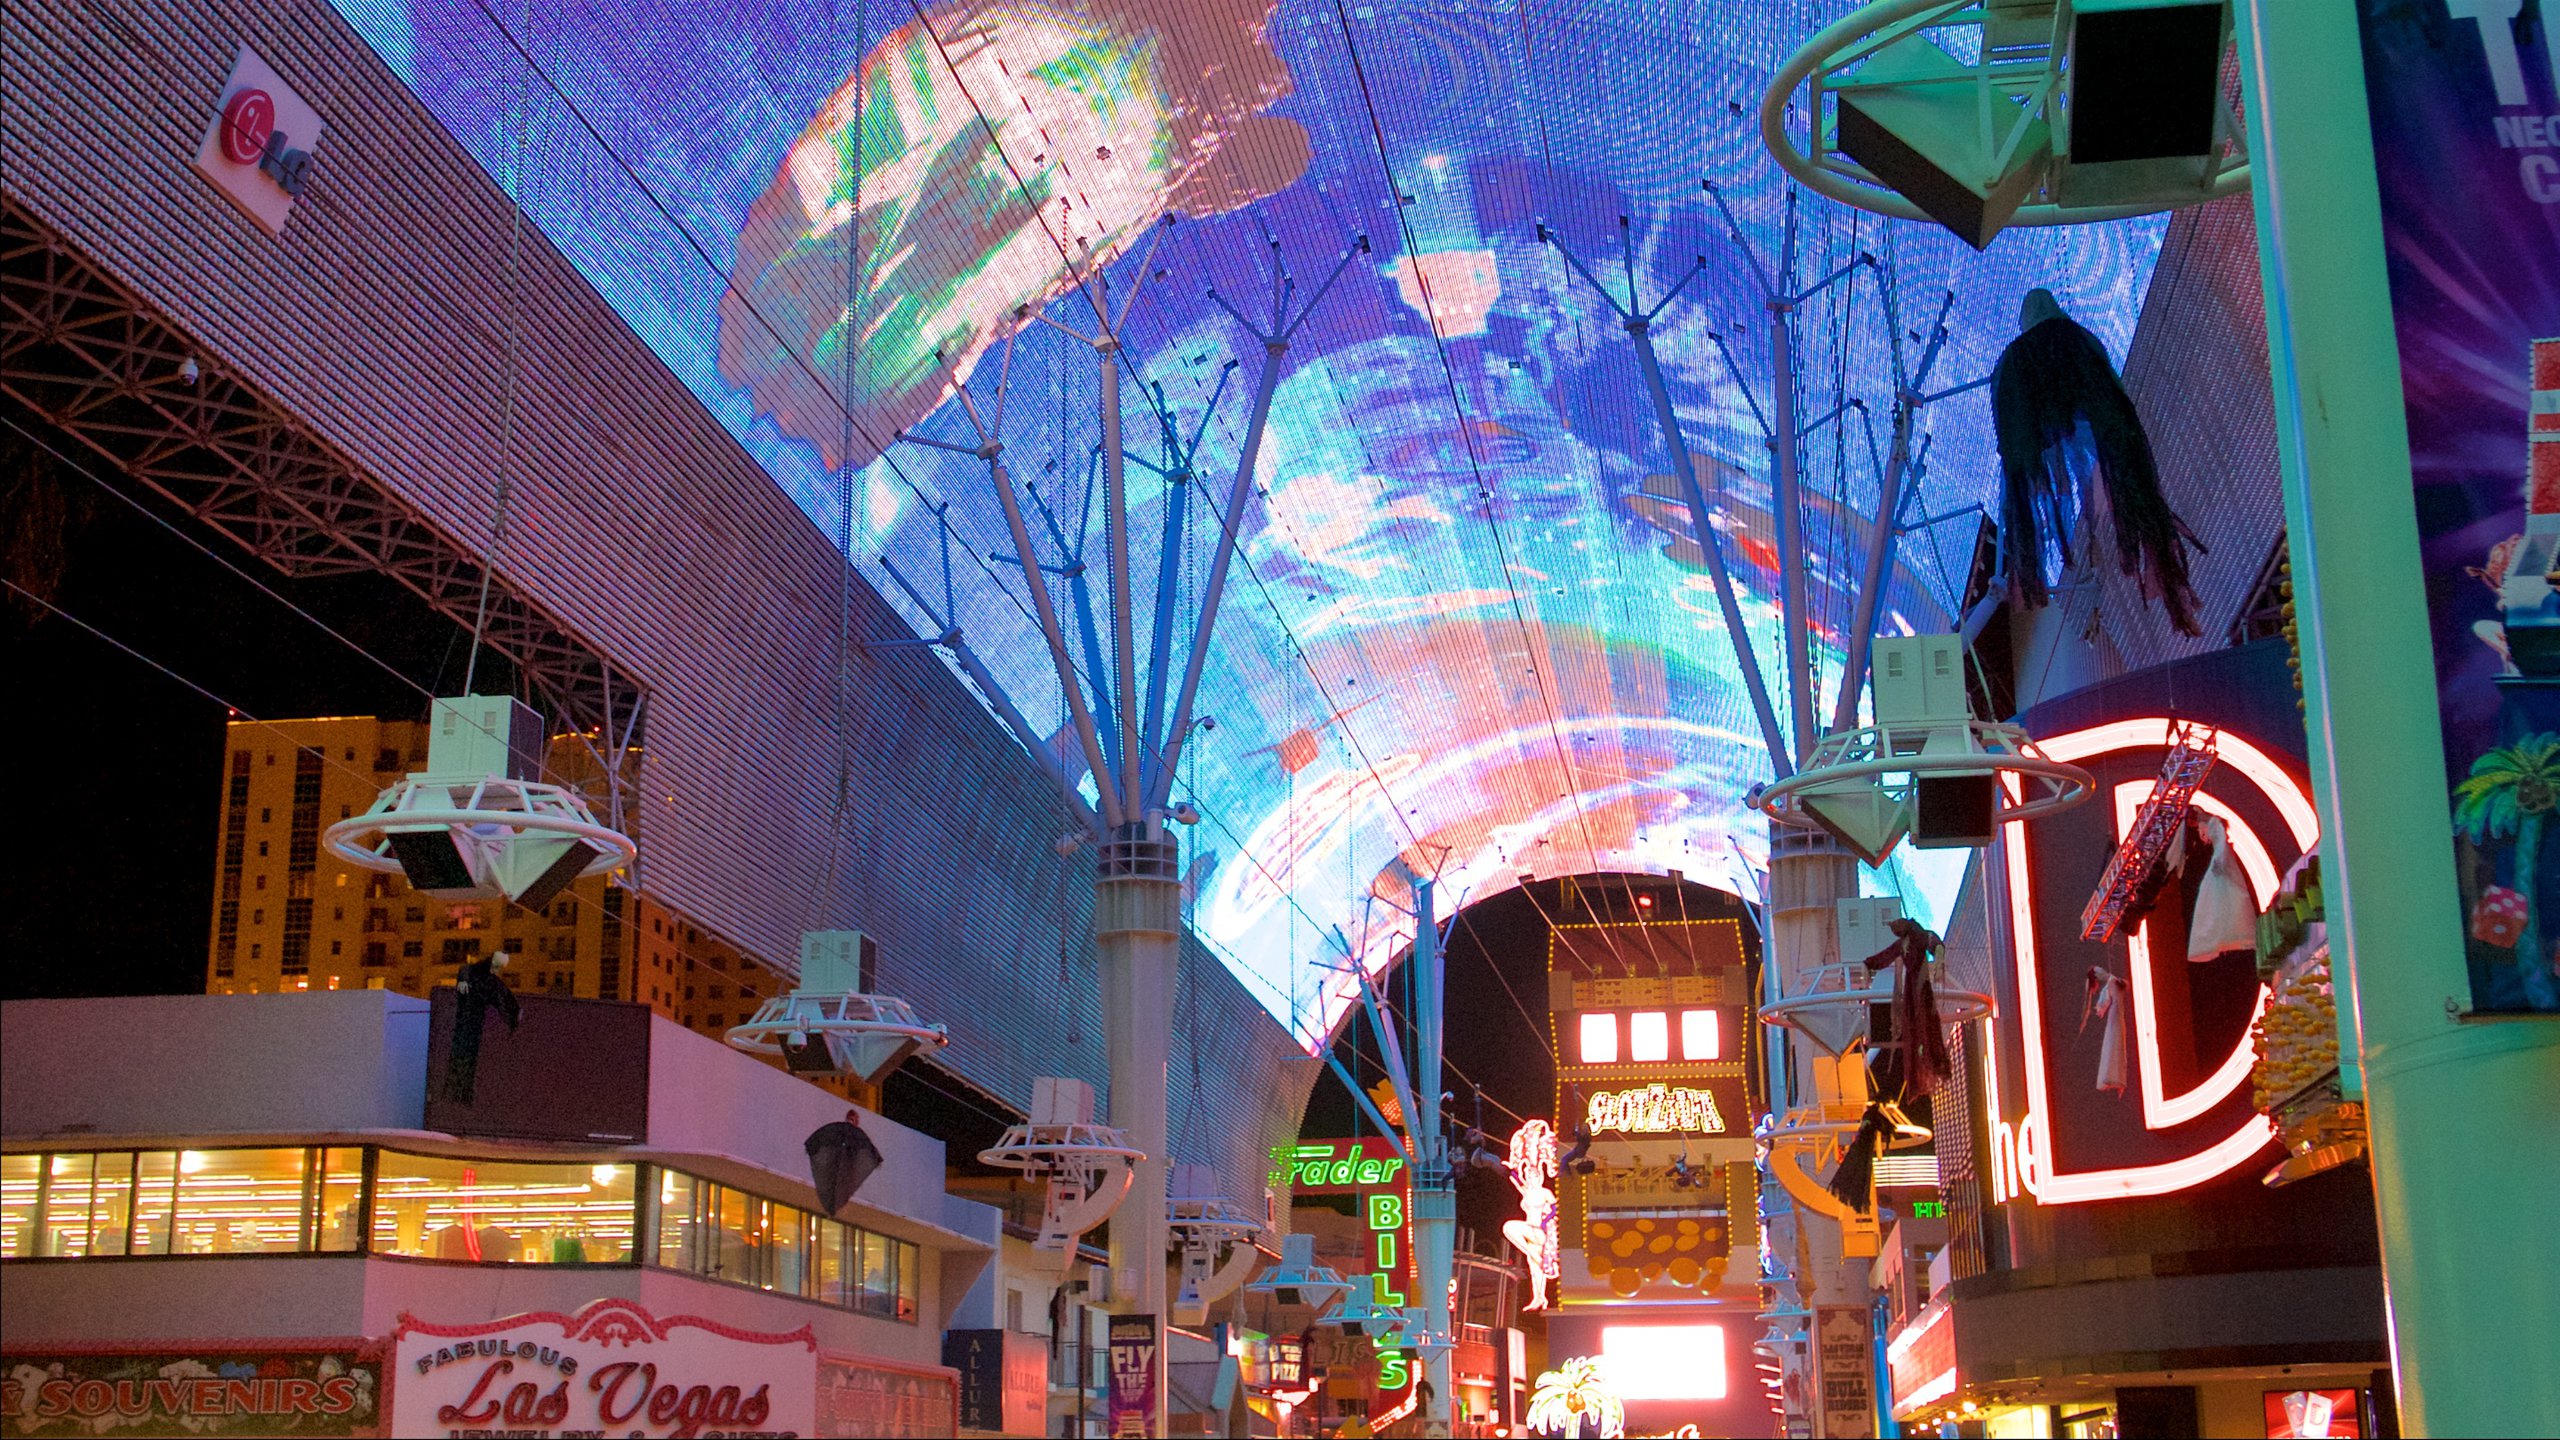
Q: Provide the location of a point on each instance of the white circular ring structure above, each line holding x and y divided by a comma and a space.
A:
1850, 40
1081, 1147
495, 808
813, 1016
1955, 1007
1869, 753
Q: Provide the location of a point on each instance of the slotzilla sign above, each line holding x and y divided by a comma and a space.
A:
612, 1368
1655, 1110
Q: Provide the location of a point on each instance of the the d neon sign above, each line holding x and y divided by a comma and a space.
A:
2023, 1159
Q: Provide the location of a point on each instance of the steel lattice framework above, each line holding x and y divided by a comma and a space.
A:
94, 360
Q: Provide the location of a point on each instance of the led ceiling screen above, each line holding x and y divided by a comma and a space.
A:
1469, 623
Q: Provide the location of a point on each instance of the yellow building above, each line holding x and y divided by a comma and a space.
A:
289, 915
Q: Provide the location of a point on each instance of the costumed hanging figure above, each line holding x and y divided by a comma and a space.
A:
2059, 410
2226, 917
477, 993
1904, 1071
2104, 1003
841, 1157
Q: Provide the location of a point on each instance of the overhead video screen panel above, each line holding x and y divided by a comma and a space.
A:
1469, 613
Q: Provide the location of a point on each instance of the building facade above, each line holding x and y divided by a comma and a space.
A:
291, 1193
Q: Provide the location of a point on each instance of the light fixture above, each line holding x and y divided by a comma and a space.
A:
475, 825
1213, 1238
1983, 114
1086, 1169
828, 1024
1926, 769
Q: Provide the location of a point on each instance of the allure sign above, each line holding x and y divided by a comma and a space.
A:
258, 142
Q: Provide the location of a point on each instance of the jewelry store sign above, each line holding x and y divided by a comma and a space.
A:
611, 1369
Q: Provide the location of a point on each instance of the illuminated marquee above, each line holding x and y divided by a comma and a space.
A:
2023, 1159
1655, 1110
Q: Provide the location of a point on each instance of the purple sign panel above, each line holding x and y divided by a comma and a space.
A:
2465, 101
1133, 1377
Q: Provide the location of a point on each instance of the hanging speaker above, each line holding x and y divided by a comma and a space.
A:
2143, 90
1918, 130
2146, 79
1861, 815
1954, 811
432, 859
566, 867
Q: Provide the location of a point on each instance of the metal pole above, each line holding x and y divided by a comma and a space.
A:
1231, 516
2459, 1115
1048, 616
1138, 936
1781, 759
1790, 536
1879, 564
1124, 644
1435, 1195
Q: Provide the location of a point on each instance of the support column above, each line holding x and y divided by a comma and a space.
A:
2464, 1161
1137, 921
1809, 873
1435, 1191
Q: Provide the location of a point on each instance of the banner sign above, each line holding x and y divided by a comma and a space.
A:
1845, 1360
611, 1368
1004, 1379
893, 1402
2461, 98
286, 1389
1133, 1377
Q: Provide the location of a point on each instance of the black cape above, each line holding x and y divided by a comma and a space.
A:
2051, 380
841, 1157
477, 993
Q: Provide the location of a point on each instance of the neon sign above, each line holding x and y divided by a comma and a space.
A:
1655, 1110
2023, 1161
1373, 1169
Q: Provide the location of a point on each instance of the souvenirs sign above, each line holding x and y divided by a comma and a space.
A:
287, 1388
612, 1368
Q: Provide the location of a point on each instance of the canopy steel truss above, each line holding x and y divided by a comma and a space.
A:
100, 364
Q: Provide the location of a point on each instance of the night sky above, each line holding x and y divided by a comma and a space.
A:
109, 885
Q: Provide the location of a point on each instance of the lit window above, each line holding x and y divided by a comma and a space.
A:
1698, 1037
495, 1212
1648, 1036
1599, 1039
1664, 1362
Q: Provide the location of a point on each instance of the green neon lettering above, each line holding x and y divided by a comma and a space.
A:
1386, 1212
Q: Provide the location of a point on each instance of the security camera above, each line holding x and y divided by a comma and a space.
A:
1208, 722
1185, 813
189, 371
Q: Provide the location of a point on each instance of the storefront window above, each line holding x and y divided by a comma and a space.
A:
833, 1237
879, 1291
501, 1213
244, 1202
155, 1202
20, 1177
727, 1234
788, 1251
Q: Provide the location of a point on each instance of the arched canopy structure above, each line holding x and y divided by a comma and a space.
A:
1469, 617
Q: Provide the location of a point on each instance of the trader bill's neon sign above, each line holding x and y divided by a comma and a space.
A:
1655, 1110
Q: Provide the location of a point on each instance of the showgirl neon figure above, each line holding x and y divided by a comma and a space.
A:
1532, 1166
